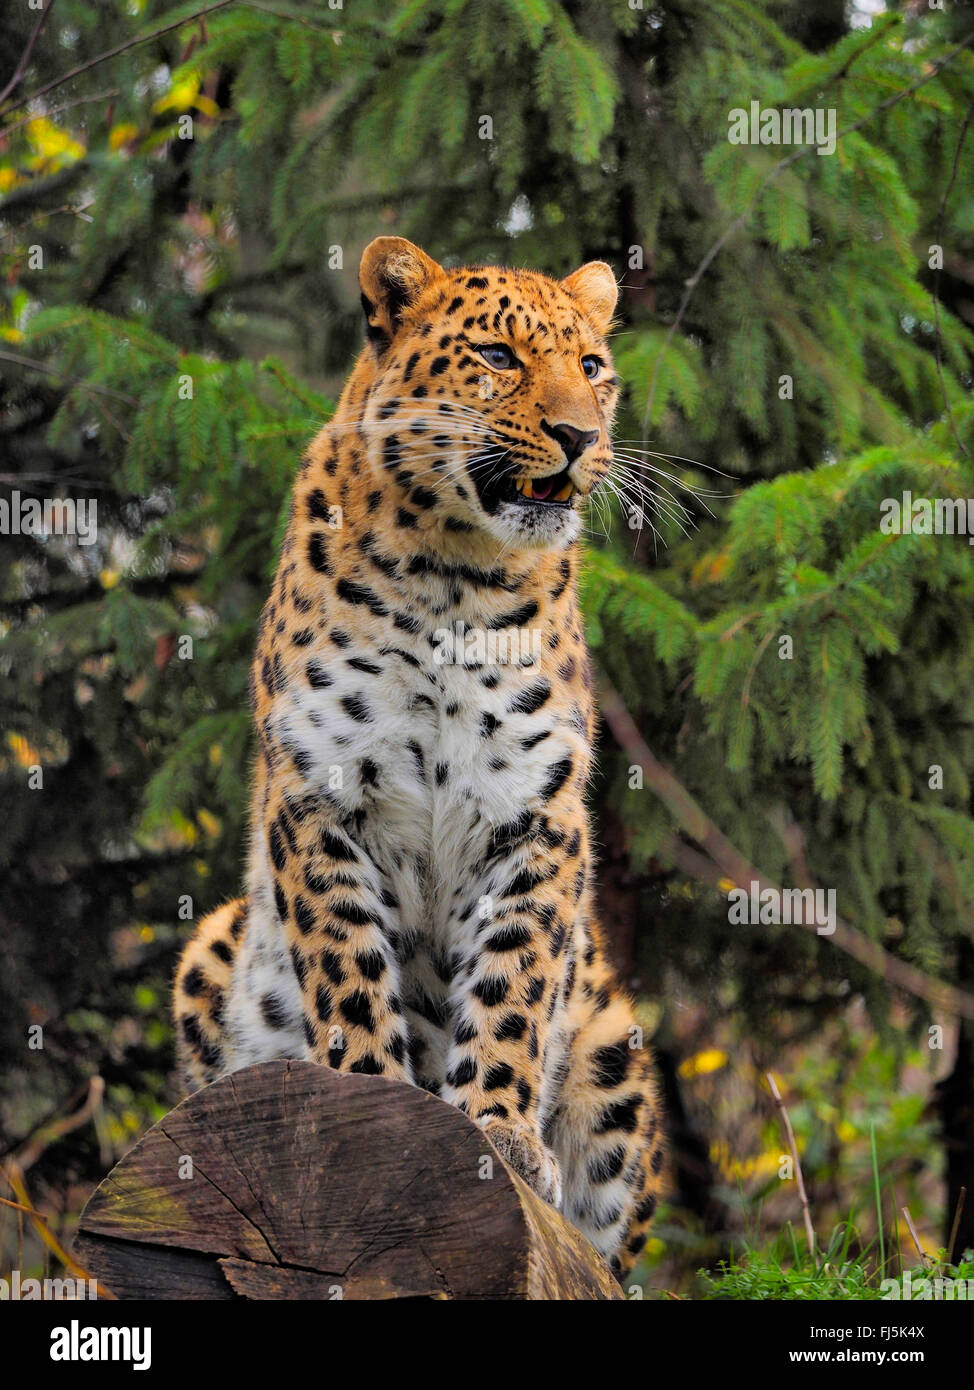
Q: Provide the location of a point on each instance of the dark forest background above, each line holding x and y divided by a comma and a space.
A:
184, 195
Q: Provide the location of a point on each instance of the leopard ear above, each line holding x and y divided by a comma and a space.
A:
594, 287
392, 274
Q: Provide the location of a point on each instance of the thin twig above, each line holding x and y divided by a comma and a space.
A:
962, 1194
8, 130
43, 1229
114, 53
21, 67
33, 365
28, 1154
913, 1235
721, 860
803, 1195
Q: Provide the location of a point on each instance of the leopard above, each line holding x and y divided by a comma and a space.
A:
420, 894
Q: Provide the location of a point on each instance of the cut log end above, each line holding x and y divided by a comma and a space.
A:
287, 1181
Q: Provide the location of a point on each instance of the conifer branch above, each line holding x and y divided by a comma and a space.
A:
114, 53
772, 175
722, 860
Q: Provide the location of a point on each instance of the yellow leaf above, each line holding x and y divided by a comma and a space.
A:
180, 96
712, 1059
49, 141
109, 578
120, 135
25, 754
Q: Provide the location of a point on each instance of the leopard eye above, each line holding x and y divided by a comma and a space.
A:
499, 356
592, 367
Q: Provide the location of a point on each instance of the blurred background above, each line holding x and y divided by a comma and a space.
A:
184, 195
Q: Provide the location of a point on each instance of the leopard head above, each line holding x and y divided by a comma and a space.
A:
491, 393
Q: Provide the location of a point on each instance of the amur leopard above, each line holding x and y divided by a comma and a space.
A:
420, 888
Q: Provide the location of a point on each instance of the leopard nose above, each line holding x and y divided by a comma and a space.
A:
573, 442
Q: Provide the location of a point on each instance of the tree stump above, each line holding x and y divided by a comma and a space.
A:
289, 1181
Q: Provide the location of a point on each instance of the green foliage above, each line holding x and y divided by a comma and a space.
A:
819, 366
776, 1275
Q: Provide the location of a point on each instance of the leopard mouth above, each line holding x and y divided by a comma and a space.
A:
552, 490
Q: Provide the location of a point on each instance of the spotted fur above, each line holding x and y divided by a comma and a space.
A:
420, 889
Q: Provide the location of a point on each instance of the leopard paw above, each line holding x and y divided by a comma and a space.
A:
521, 1148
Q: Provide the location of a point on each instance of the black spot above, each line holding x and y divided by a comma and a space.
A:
371, 964
209, 1053
318, 553
463, 1073
273, 1011
332, 966
300, 965
491, 991
508, 939
360, 594
501, 1074
276, 845
318, 677
610, 1065
356, 708
368, 1066
304, 915
510, 1028
516, 618
647, 1208
556, 779
318, 506
531, 699
607, 1166
358, 1011
194, 982
347, 911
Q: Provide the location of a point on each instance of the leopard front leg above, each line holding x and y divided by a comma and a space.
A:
328, 898
510, 986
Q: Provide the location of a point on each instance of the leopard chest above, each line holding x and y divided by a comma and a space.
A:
423, 752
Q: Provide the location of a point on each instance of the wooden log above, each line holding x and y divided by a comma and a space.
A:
287, 1180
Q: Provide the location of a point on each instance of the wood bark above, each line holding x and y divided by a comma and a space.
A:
290, 1181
